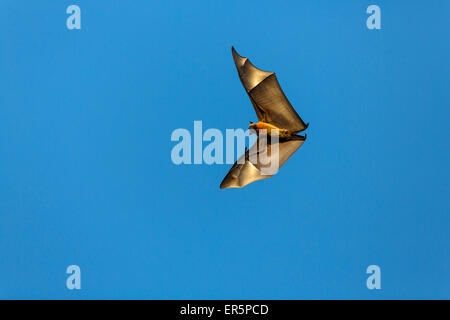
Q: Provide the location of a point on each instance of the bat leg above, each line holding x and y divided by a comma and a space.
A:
298, 137
300, 130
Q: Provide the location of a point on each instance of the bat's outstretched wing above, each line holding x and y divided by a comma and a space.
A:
269, 101
250, 166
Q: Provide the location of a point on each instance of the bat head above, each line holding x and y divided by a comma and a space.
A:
252, 126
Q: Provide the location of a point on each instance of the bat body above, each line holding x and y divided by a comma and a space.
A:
273, 130
277, 129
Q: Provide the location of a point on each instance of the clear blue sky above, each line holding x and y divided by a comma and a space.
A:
87, 179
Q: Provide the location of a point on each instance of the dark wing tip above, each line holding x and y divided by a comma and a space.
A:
225, 183
236, 54
238, 60
229, 182
228, 185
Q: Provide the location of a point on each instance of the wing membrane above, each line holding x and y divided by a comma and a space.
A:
266, 95
250, 166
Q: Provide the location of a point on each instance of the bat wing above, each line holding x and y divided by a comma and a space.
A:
250, 166
268, 99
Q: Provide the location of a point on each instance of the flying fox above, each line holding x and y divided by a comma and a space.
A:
276, 117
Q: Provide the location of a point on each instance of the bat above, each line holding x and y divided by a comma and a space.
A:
277, 129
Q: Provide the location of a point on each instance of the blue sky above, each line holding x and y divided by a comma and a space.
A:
87, 179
